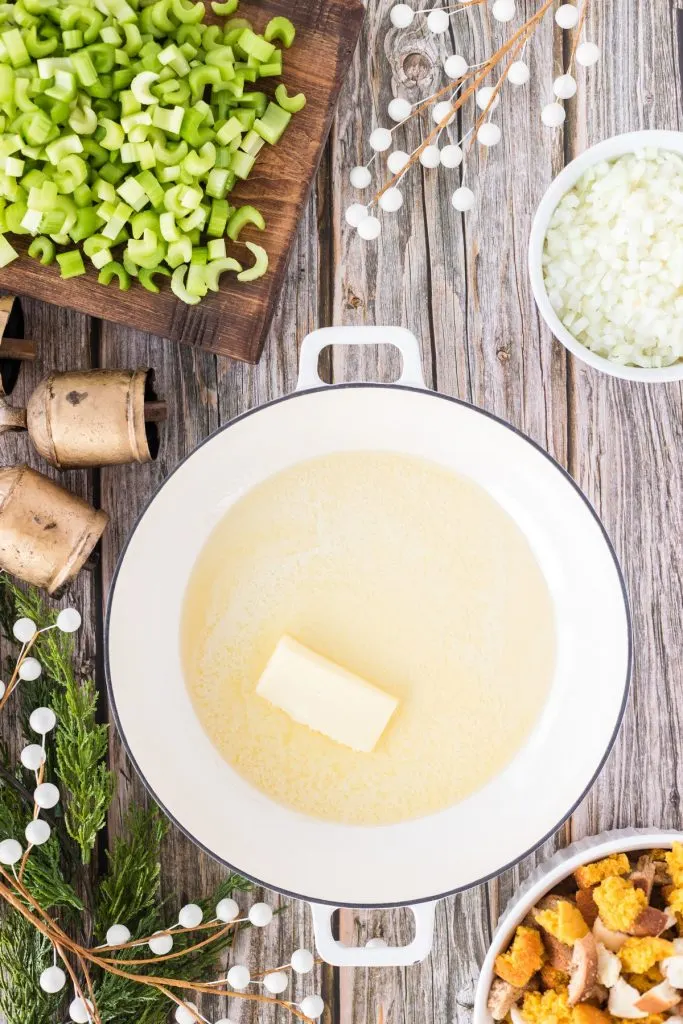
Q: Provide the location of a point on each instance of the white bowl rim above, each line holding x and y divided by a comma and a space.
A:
549, 874
617, 725
608, 149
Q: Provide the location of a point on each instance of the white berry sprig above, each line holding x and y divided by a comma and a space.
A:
465, 80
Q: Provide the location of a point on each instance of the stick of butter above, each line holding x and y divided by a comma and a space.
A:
327, 698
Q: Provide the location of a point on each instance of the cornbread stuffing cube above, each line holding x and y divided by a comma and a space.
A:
674, 861
619, 903
523, 959
610, 867
674, 899
554, 979
564, 922
644, 982
638, 956
547, 1008
584, 1013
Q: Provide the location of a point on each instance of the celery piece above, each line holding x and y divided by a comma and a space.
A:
86, 224
226, 8
82, 64
216, 249
72, 39
179, 252
241, 164
215, 268
243, 216
168, 227
252, 143
16, 48
146, 277
153, 189
255, 46
292, 104
169, 120
42, 249
31, 221
118, 220
273, 123
71, 264
14, 167
229, 131
111, 270
100, 258
273, 69
7, 253
217, 183
95, 243
260, 263
178, 285
282, 29
132, 192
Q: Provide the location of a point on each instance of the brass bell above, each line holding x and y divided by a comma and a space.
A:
46, 533
87, 418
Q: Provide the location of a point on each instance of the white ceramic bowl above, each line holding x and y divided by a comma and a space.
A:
550, 874
610, 149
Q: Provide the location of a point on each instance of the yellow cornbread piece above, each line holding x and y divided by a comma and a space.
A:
638, 956
523, 958
564, 922
674, 862
547, 1008
619, 903
674, 899
644, 982
584, 1013
592, 874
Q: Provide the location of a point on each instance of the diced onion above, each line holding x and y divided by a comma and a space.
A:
613, 259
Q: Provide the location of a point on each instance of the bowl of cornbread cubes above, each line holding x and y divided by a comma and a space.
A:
594, 937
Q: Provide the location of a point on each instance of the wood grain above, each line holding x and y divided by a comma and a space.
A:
234, 321
460, 284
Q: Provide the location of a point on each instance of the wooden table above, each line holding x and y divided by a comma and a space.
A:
461, 285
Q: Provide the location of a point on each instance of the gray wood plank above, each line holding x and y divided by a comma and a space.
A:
623, 444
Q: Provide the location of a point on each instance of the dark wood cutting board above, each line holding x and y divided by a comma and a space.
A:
234, 321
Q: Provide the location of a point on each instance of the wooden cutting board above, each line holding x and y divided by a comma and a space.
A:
234, 321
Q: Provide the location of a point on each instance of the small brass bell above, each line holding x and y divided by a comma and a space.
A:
46, 533
87, 418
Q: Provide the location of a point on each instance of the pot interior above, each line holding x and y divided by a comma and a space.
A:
415, 860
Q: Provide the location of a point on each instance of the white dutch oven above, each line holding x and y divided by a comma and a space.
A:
550, 874
416, 862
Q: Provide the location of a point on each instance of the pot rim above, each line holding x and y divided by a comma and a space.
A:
627, 610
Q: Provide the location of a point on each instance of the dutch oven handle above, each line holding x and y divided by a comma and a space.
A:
339, 955
403, 340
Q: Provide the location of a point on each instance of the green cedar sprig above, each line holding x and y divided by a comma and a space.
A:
80, 741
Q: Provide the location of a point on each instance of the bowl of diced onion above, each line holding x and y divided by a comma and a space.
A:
606, 256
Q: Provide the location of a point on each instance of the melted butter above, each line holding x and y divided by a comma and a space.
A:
406, 574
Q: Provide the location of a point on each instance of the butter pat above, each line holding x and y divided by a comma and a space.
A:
316, 692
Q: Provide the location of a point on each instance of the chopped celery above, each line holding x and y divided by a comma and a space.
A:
43, 249
215, 268
71, 263
111, 270
281, 29
260, 263
124, 127
243, 216
292, 104
146, 277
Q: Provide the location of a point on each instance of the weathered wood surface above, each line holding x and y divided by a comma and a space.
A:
461, 285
